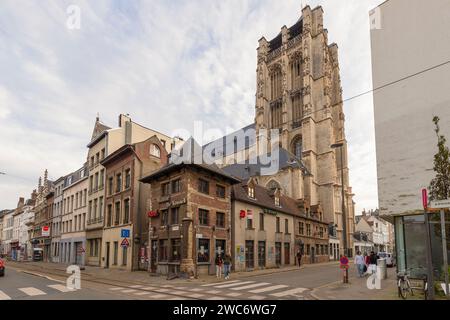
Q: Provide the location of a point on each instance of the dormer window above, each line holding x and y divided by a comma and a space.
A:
277, 201
155, 151
251, 192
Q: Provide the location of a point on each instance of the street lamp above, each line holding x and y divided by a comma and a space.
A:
344, 217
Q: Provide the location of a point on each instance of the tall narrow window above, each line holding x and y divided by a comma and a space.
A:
175, 215
203, 186
203, 217
126, 211
109, 216
117, 214
155, 151
297, 147
118, 182
127, 178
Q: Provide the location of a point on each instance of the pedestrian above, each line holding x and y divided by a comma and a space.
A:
299, 257
372, 262
360, 263
366, 262
219, 264
227, 266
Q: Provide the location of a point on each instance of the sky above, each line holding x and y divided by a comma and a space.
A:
167, 64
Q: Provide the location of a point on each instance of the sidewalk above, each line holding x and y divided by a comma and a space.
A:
357, 289
140, 277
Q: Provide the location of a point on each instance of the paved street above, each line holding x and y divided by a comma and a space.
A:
307, 283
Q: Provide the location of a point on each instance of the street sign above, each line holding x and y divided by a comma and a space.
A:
344, 260
125, 243
125, 233
441, 204
425, 198
45, 231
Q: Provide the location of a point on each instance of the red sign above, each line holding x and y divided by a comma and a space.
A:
45, 228
425, 198
344, 260
242, 214
125, 243
152, 214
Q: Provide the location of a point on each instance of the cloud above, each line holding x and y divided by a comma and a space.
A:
166, 63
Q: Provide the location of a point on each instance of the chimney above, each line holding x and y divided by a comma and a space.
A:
33, 195
21, 202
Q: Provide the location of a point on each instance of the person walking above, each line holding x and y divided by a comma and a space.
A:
219, 264
373, 262
299, 258
227, 266
360, 263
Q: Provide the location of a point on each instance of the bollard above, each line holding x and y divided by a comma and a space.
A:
382, 268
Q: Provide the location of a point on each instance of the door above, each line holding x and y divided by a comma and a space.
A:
249, 254
78, 253
287, 253
153, 255
220, 248
278, 253
262, 254
313, 254
107, 255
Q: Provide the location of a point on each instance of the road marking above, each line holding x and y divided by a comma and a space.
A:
233, 284
60, 287
159, 296
4, 296
256, 298
289, 292
116, 288
148, 288
216, 283
136, 286
272, 288
129, 291
32, 291
213, 292
250, 286
233, 294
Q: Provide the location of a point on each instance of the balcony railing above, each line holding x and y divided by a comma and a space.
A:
94, 221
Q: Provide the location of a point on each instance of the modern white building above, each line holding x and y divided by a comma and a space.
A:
411, 80
8, 227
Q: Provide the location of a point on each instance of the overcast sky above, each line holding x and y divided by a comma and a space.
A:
167, 64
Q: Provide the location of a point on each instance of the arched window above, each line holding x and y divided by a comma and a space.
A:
272, 185
155, 151
297, 147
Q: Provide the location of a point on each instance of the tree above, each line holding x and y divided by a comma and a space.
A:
440, 186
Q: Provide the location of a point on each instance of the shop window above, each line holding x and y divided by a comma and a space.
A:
203, 250
175, 250
163, 250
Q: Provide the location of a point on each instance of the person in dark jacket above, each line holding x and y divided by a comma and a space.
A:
219, 264
373, 262
299, 257
227, 266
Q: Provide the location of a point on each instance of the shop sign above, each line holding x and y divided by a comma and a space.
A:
152, 214
242, 214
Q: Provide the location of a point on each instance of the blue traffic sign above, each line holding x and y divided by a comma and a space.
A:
125, 233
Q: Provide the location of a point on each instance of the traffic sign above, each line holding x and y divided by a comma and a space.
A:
45, 231
344, 260
125, 243
125, 233
441, 204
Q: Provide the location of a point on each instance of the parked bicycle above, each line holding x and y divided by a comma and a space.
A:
408, 281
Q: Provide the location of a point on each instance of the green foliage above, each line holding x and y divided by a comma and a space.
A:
439, 188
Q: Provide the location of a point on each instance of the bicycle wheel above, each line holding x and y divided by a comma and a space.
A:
403, 289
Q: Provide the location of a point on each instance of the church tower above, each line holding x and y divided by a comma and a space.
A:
299, 93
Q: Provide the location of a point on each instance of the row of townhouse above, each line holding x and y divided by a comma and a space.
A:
137, 204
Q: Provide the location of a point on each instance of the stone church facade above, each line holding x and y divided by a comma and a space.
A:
299, 94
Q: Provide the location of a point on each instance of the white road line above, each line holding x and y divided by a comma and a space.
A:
233, 284
32, 291
250, 286
272, 288
128, 291
216, 298
289, 292
257, 298
116, 288
233, 294
60, 287
4, 296
216, 283
136, 286
213, 292
159, 296
148, 288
